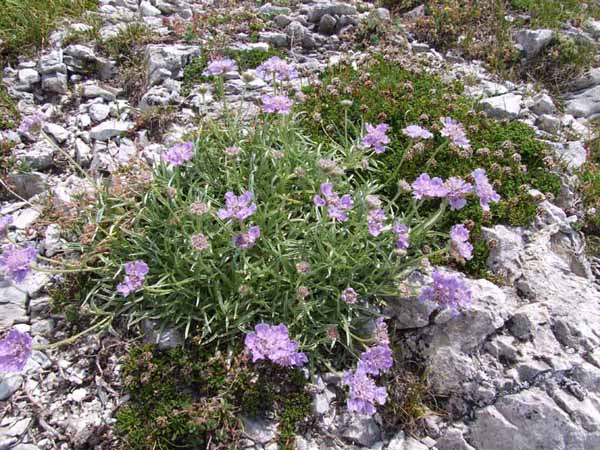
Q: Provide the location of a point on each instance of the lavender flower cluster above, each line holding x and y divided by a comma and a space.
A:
272, 342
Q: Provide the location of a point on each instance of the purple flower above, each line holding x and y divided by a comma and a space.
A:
15, 351
180, 153
278, 68
31, 126
135, 273
484, 189
375, 219
460, 241
200, 242
336, 205
5, 222
402, 235
376, 360
272, 342
373, 201
220, 66
239, 208
349, 296
427, 187
455, 131
248, 239
363, 394
16, 262
457, 189
233, 151
381, 331
376, 137
417, 132
448, 291
276, 104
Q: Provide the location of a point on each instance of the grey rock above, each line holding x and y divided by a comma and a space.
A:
171, 59
165, 339
147, 10
532, 41
55, 83
83, 152
98, 112
52, 62
585, 103
296, 31
9, 384
28, 184
590, 79
159, 96
333, 9
593, 27
309, 42
12, 306
95, 91
271, 9
383, 14
259, 430
80, 59
51, 242
361, 430
26, 447
109, 129
402, 442
453, 439
549, 123
275, 39
415, 13
57, 132
419, 47
28, 77
573, 154
39, 155
327, 25
543, 104
282, 21
507, 106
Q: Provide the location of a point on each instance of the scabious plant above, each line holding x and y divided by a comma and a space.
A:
448, 291
179, 154
484, 189
455, 132
364, 395
276, 68
5, 222
135, 272
459, 234
427, 187
336, 205
376, 137
31, 126
279, 104
220, 66
237, 207
272, 342
15, 351
417, 132
16, 262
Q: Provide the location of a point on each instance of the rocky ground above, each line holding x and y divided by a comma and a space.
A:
520, 370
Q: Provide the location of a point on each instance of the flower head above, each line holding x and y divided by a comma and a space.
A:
427, 187
303, 267
180, 153
5, 222
16, 262
375, 219
484, 189
349, 296
239, 208
200, 242
447, 290
233, 151
417, 132
135, 273
402, 235
247, 240
381, 331
373, 202
363, 394
220, 66
336, 205
459, 236
376, 137
455, 131
277, 68
272, 342
15, 351
199, 208
277, 104
457, 189
31, 126
376, 360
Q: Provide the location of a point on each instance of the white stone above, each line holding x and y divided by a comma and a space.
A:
532, 41
507, 106
98, 112
148, 10
109, 129
57, 132
543, 104
28, 76
25, 218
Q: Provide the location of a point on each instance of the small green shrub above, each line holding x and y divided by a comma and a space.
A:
185, 398
512, 156
9, 114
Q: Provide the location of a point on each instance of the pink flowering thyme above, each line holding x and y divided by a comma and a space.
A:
5, 222
16, 262
237, 207
458, 189
349, 296
455, 132
336, 205
448, 291
461, 246
247, 240
279, 104
276, 68
402, 235
200, 242
135, 273
417, 132
376, 137
179, 154
15, 351
363, 393
220, 67
427, 187
484, 189
272, 342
